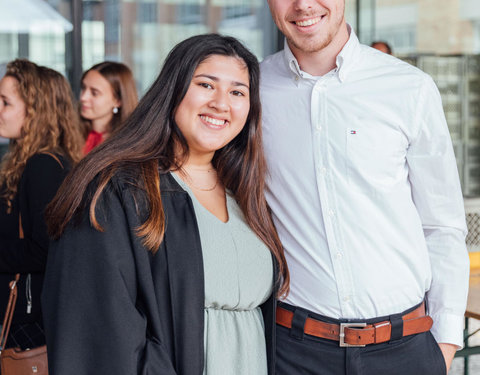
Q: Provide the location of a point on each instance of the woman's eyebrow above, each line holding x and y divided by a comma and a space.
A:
215, 79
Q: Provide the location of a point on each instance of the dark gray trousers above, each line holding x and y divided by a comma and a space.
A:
302, 354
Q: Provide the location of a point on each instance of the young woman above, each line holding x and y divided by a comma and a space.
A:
108, 96
166, 254
38, 116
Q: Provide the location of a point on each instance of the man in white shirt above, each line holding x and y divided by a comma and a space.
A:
365, 194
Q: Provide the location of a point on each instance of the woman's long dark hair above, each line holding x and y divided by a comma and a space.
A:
151, 139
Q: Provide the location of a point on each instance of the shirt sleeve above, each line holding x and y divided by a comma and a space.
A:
437, 196
93, 284
40, 181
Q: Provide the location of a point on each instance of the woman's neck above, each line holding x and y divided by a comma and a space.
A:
101, 126
199, 167
200, 177
198, 161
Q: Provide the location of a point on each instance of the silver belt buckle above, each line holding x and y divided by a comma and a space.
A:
342, 334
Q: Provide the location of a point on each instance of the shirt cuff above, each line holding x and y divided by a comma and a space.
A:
448, 329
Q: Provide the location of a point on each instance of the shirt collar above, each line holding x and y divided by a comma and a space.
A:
345, 59
348, 56
291, 61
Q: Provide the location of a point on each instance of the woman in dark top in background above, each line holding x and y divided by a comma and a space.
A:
38, 116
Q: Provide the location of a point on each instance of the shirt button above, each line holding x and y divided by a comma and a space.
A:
323, 171
339, 255
346, 299
296, 78
331, 213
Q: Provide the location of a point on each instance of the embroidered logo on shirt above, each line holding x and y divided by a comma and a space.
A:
353, 132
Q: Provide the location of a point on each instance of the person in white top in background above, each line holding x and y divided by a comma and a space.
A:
366, 197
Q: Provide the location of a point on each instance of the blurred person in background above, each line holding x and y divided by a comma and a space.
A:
39, 118
108, 96
382, 46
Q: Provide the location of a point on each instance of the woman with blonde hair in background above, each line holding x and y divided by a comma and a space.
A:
107, 98
37, 114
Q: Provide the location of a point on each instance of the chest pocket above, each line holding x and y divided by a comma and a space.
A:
375, 157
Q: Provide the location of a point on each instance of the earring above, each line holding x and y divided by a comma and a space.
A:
115, 110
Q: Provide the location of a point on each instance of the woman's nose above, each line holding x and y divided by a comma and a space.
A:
83, 95
220, 102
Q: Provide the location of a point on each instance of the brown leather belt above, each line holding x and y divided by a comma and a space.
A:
359, 334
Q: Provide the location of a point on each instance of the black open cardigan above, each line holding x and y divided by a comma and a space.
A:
112, 307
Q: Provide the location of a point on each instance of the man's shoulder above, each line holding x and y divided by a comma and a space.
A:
273, 65
273, 59
275, 74
388, 64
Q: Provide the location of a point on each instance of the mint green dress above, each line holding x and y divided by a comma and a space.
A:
238, 278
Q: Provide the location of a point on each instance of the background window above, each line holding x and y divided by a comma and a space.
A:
141, 33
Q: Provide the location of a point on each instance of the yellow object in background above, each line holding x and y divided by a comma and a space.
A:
474, 259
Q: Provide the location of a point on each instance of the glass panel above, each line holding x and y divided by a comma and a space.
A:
35, 29
351, 13
141, 33
420, 26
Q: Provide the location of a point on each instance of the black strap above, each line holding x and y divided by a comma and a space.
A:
298, 323
397, 327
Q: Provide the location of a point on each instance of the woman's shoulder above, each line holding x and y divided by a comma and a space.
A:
44, 169
125, 179
130, 178
47, 160
120, 192
168, 184
127, 184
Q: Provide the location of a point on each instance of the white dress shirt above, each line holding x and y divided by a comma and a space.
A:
364, 188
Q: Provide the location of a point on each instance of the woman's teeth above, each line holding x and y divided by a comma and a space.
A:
212, 120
